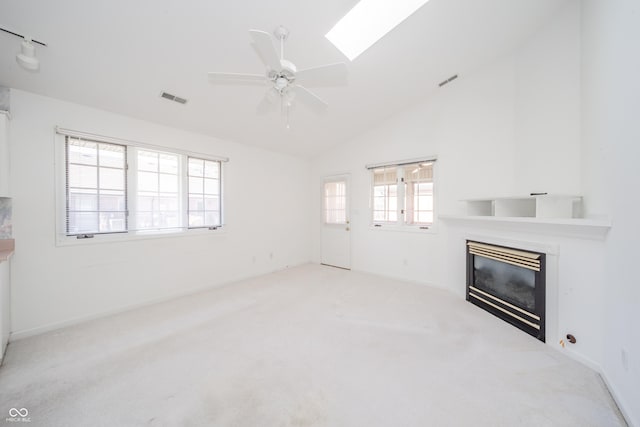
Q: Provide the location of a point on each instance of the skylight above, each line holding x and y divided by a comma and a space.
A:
368, 22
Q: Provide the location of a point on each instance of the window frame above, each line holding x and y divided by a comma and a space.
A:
98, 188
131, 147
133, 183
401, 224
204, 193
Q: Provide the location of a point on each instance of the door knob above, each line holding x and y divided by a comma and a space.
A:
347, 228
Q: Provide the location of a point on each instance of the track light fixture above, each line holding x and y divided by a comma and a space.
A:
27, 55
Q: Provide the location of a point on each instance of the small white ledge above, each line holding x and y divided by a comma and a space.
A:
573, 227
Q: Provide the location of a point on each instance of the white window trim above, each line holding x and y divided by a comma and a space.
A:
407, 228
61, 237
400, 225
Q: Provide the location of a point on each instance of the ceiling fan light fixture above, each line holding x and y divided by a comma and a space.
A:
281, 83
27, 56
368, 22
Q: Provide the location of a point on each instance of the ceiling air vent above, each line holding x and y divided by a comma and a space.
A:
170, 97
449, 80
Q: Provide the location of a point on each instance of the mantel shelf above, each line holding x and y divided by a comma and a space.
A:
579, 227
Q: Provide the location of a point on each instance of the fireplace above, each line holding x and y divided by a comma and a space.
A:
508, 283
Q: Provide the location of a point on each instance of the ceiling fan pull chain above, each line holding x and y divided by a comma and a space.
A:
281, 47
288, 105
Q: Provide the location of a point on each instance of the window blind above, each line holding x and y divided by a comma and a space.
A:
385, 176
427, 159
121, 141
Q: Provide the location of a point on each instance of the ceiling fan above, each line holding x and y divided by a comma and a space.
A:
283, 77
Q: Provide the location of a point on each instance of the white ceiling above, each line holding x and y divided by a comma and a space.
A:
119, 55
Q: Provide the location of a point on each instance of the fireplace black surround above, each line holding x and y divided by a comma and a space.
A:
508, 283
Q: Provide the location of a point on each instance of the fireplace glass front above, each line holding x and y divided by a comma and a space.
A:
516, 285
509, 283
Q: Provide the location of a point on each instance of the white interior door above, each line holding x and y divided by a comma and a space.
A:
336, 241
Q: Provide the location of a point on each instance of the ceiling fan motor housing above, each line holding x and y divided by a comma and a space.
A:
288, 70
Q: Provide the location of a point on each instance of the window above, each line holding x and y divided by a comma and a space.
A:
335, 202
402, 194
385, 195
158, 190
418, 184
367, 22
204, 193
124, 188
96, 187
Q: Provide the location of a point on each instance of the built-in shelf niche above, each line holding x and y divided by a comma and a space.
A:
536, 206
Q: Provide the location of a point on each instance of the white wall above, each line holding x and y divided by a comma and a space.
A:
611, 136
547, 108
266, 206
476, 108
508, 128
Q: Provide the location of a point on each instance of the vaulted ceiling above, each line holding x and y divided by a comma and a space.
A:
119, 55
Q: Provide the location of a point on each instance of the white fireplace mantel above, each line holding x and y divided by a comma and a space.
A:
570, 227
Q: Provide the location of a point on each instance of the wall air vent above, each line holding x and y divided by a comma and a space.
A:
171, 97
449, 80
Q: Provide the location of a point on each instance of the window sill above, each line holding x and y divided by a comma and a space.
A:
405, 229
63, 240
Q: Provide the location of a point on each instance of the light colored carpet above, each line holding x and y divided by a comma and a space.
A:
309, 346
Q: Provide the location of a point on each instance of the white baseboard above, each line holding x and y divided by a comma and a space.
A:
631, 422
26, 333
576, 356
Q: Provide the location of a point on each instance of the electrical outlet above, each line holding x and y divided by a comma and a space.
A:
253, 259
270, 255
405, 262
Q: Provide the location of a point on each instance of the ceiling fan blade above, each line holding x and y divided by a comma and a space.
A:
269, 101
263, 45
324, 75
310, 99
237, 78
